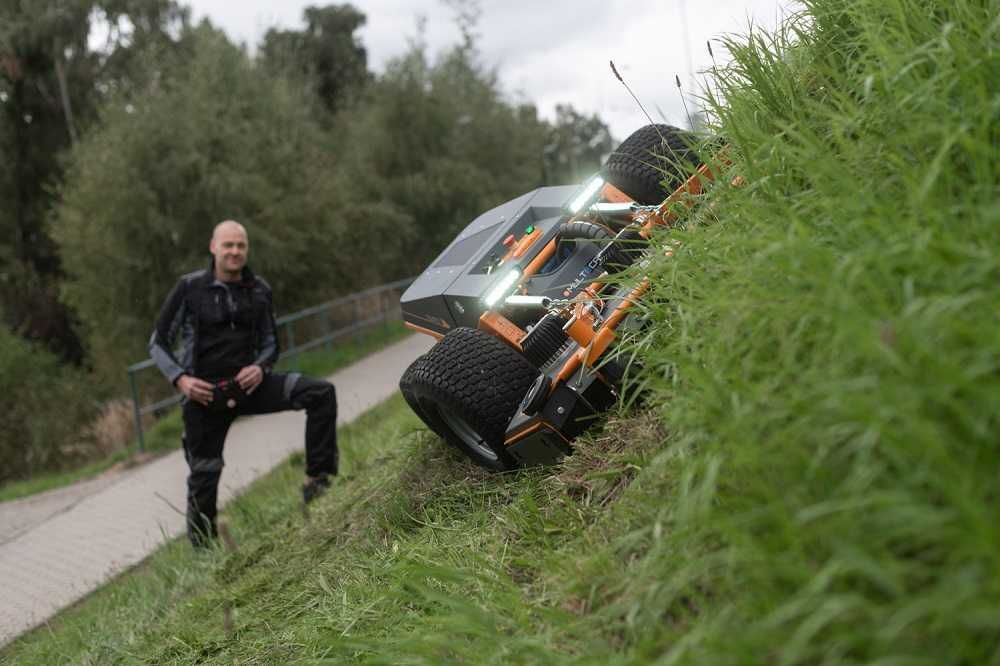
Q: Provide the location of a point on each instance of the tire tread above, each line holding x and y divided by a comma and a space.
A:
478, 376
651, 163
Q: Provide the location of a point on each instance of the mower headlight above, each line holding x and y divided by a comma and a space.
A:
502, 287
588, 192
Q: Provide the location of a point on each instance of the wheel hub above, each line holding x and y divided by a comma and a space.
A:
466, 433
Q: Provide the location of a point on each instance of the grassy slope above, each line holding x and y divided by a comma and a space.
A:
826, 363
833, 360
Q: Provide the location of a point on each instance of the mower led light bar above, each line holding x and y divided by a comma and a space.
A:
613, 208
592, 188
502, 287
520, 301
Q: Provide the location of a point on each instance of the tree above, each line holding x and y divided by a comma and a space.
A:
575, 146
45, 405
50, 85
327, 54
439, 142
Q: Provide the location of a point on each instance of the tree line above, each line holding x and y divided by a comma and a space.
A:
127, 132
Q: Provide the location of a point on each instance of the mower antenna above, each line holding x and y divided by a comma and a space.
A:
641, 107
684, 102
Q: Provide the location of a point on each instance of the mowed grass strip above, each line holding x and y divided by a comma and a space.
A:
414, 556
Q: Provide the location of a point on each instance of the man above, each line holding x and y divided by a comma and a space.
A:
225, 319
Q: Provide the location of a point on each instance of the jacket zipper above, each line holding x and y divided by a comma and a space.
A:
229, 307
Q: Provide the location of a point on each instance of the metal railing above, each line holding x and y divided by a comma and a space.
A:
319, 325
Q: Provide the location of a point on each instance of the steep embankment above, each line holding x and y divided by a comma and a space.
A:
813, 480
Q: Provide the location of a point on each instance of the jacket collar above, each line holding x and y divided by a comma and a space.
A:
246, 277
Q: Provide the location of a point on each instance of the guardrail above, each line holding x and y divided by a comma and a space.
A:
317, 324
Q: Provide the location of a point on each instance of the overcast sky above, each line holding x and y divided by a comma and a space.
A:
547, 53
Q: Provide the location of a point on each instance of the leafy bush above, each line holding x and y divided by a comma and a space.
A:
437, 141
45, 405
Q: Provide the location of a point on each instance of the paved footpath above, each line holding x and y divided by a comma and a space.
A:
57, 547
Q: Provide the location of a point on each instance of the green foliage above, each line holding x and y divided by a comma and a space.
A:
828, 356
439, 142
397, 176
576, 146
43, 403
327, 54
50, 86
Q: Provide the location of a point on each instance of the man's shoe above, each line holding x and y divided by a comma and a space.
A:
314, 488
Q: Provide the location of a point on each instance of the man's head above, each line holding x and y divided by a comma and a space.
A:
229, 246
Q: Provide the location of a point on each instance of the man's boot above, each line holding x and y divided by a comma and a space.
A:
314, 487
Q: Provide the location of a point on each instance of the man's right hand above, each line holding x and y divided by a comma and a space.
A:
195, 389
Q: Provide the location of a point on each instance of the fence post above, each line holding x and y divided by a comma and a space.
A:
387, 299
135, 409
291, 345
355, 313
326, 328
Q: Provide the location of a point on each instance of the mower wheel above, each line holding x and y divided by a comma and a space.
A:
466, 389
405, 383
651, 163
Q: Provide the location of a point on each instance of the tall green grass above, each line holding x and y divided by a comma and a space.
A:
828, 350
813, 479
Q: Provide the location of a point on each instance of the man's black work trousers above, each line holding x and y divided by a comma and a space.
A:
205, 431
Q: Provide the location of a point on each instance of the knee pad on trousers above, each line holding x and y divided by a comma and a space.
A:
311, 393
203, 485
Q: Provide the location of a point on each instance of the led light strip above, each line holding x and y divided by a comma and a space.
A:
502, 287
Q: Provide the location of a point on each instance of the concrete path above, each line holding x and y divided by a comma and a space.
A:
57, 547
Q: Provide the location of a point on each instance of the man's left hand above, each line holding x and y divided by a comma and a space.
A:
249, 378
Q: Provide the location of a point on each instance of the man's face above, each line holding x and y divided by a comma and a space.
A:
229, 246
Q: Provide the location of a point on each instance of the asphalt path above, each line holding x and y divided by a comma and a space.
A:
57, 547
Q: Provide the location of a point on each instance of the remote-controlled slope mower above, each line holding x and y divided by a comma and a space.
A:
524, 314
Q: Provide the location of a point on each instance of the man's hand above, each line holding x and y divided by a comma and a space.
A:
195, 389
249, 378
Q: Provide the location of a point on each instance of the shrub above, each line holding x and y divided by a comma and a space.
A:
46, 405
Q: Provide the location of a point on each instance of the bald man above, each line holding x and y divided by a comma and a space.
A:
229, 344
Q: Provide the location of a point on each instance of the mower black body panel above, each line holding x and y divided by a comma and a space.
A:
450, 292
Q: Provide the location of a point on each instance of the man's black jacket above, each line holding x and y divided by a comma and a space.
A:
223, 327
